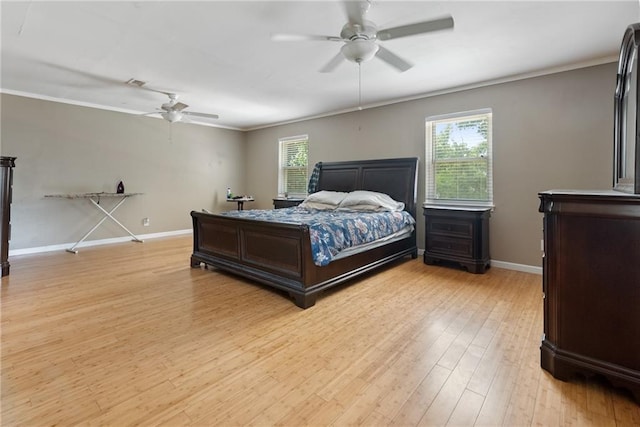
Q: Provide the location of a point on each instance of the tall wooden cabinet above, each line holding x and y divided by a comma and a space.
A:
591, 285
6, 182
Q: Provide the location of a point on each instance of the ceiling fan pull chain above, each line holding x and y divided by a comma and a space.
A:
359, 85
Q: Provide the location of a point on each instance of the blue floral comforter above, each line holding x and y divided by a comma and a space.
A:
333, 231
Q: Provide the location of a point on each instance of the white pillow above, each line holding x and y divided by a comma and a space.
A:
323, 200
361, 200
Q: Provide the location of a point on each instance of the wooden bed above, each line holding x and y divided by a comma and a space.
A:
279, 255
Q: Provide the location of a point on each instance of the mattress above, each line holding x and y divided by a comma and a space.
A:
335, 234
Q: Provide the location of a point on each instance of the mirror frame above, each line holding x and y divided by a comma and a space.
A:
623, 180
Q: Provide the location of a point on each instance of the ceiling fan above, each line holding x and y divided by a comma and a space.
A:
173, 110
360, 37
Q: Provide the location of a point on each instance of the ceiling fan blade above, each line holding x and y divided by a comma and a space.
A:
205, 115
140, 84
154, 90
179, 106
356, 9
303, 37
333, 63
392, 59
417, 28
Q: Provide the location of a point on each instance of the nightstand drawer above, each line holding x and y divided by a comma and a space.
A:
451, 227
450, 246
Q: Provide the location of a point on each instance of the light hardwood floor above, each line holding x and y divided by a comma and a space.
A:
129, 334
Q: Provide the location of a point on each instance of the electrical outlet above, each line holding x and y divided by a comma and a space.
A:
145, 222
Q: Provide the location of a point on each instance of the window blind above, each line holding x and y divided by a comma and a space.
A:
459, 158
294, 154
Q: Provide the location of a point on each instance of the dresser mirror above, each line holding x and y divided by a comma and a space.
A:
626, 166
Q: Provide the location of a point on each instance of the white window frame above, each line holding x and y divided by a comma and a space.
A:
431, 196
282, 181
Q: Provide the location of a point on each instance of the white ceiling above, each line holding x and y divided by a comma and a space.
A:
219, 56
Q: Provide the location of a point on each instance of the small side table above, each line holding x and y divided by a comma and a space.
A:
241, 201
458, 234
286, 202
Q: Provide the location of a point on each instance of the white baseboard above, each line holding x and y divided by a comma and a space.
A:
518, 267
87, 243
508, 265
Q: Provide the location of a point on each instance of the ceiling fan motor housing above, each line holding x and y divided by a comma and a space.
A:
360, 45
352, 31
172, 116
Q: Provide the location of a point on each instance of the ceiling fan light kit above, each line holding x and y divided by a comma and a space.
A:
359, 50
172, 116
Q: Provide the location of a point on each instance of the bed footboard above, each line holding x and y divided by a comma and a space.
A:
279, 255
274, 254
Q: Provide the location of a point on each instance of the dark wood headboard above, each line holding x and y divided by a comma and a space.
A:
396, 177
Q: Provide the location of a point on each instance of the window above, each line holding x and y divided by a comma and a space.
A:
459, 158
294, 154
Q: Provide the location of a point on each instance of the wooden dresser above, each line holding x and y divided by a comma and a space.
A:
457, 234
6, 183
591, 286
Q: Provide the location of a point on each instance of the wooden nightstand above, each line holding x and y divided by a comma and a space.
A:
279, 203
458, 234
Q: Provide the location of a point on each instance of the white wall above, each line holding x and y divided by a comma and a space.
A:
554, 131
62, 148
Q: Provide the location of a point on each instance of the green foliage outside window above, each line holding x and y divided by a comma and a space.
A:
294, 161
460, 159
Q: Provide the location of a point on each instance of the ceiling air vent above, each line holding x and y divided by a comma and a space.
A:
135, 82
